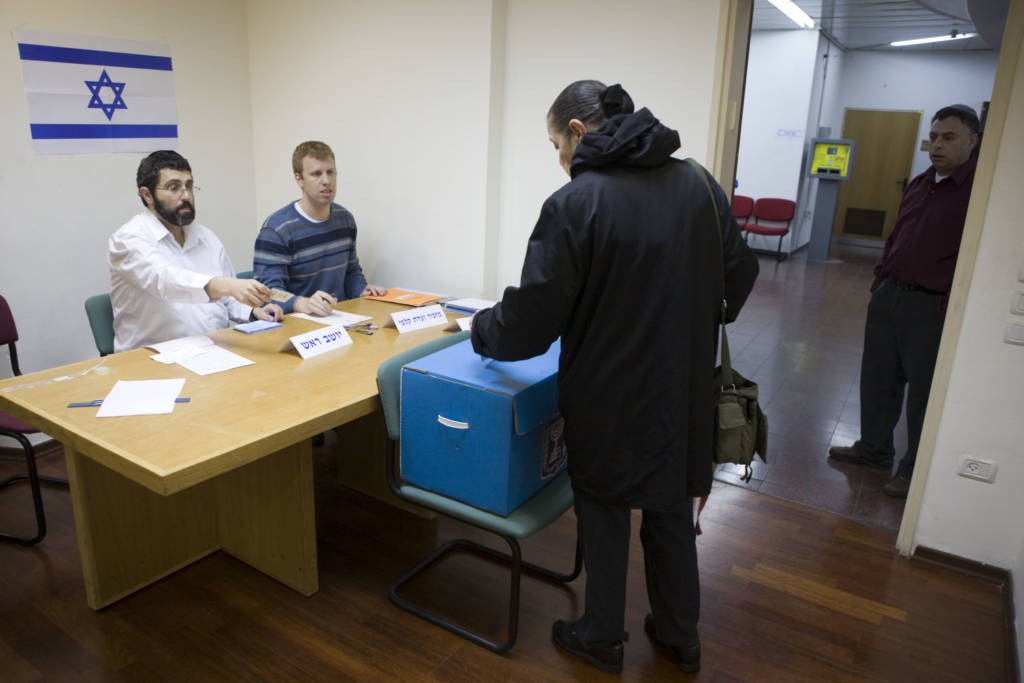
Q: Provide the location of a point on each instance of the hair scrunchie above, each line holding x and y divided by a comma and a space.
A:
615, 100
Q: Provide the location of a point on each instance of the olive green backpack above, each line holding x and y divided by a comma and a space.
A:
741, 429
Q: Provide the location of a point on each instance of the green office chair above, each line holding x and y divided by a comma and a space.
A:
101, 320
244, 275
542, 509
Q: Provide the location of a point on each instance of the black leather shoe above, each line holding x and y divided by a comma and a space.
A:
852, 455
897, 487
686, 659
607, 659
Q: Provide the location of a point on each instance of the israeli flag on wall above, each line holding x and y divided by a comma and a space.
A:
88, 94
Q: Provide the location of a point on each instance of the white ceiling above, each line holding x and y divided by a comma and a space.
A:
873, 24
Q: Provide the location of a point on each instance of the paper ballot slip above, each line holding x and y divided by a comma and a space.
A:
141, 397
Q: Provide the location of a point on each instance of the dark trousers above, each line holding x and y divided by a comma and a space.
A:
670, 560
901, 342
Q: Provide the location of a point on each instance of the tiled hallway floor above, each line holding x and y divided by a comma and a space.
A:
800, 337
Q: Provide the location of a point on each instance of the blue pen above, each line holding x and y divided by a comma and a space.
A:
99, 401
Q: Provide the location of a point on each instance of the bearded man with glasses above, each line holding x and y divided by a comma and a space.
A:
170, 276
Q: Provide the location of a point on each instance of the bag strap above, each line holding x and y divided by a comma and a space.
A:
726, 375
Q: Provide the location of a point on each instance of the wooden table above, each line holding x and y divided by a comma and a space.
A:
231, 470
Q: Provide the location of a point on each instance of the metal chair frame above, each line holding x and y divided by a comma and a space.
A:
32, 475
514, 558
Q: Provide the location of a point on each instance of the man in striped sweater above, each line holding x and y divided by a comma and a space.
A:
308, 247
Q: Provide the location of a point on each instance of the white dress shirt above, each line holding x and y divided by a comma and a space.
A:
157, 287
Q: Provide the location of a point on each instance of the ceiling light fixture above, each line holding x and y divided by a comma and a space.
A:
952, 35
797, 15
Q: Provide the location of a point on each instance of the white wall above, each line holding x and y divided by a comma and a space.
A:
910, 81
59, 209
827, 71
662, 52
400, 91
982, 411
1018, 603
776, 104
831, 100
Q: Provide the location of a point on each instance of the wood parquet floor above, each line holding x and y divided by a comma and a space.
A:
789, 593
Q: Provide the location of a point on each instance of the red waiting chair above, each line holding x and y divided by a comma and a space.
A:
18, 430
742, 207
777, 211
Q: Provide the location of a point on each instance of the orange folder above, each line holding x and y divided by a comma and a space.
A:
403, 296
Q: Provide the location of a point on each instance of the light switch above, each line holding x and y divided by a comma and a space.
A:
1018, 303
1014, 333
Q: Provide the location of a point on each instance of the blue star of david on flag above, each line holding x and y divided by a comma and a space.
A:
97, 103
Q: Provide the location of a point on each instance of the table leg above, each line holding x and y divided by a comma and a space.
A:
267, 516
129, 536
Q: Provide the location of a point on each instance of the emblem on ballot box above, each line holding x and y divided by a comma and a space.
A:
555, 453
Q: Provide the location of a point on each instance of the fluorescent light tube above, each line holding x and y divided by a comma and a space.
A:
933, 39
797, 15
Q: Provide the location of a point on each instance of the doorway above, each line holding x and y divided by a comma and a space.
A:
800, 334
869, 201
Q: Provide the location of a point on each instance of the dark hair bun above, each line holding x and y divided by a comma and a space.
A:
615, 100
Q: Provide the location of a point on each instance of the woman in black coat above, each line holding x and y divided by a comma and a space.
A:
625, 266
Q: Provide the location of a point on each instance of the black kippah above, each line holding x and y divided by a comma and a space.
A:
615, 100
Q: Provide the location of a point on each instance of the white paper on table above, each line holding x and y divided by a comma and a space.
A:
335, 318
168, 357
213, 359
181, 343
141, 397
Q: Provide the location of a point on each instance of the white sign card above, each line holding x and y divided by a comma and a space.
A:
310, 344
460, 324
417, 318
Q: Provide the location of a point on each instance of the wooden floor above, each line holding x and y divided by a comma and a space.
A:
790, 593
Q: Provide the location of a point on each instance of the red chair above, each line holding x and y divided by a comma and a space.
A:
776, 210
742, 207
16, 429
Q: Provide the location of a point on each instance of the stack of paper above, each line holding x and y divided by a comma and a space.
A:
198, 354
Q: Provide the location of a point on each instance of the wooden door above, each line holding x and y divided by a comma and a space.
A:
869, 201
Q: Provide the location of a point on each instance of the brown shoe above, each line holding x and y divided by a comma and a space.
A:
897, 487
852, 455
686, 659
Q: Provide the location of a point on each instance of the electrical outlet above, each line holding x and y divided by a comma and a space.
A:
976, 468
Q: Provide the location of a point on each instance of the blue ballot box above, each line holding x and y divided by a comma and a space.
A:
481, 431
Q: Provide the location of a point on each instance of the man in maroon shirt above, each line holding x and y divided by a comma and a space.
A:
908, 298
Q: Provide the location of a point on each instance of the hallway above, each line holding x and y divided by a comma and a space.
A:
799, 336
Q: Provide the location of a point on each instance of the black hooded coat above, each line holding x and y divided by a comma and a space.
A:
624, 266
